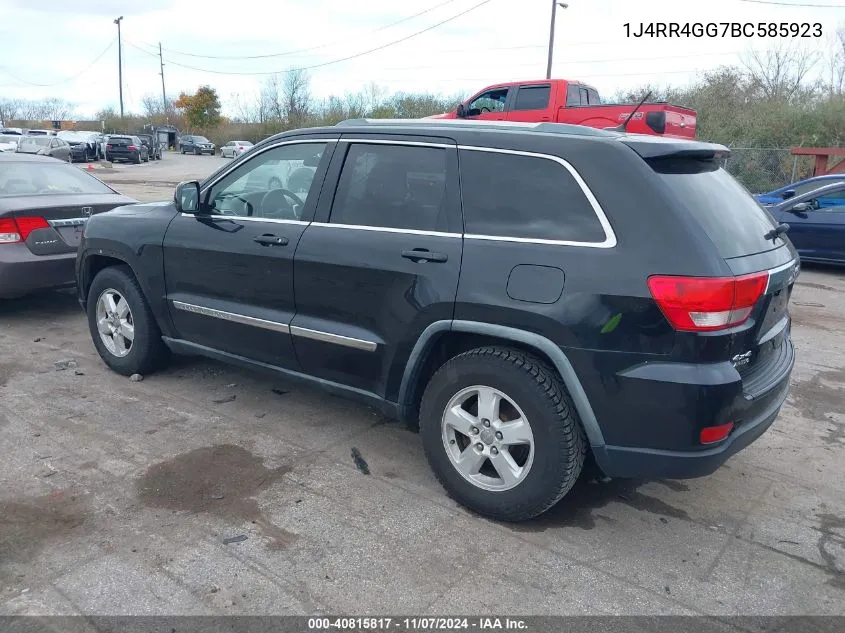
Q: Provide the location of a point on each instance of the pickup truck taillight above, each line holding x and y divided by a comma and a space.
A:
18, 229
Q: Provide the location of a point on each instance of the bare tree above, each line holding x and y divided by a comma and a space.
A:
296, 97
837, 62
270, 99
779, 72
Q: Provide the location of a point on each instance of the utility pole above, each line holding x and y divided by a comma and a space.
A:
120, 65
163, 92
555, 4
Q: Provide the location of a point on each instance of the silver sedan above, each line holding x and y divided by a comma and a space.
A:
233, 149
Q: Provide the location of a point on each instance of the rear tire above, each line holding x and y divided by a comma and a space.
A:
544, 461
147, 352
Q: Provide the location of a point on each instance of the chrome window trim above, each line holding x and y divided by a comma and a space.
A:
385, 141
231, 316
385, 229
610, 237
244, 218
337, 339
276, 145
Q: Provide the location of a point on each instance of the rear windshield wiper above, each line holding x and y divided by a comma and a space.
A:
776, 232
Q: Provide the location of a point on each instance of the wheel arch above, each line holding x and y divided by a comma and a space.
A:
443, 339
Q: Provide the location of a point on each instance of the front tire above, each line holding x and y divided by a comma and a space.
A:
501, 434
122, 325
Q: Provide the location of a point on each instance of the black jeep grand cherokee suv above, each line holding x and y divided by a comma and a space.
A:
528, 292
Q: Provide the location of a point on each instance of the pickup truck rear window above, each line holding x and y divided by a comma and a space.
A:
722, 207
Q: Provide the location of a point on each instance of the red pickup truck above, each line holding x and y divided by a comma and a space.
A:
562, 101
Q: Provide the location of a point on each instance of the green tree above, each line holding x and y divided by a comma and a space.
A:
202, 109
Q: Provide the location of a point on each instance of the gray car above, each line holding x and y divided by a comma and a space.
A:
44, 206
45, 146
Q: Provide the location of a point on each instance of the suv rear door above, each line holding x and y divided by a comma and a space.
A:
381, 260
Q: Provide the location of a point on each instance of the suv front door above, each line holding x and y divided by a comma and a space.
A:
380, 262
229, 268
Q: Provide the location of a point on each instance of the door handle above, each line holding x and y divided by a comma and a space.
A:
271, 240
424, 255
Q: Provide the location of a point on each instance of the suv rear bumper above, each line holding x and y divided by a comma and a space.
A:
646, 463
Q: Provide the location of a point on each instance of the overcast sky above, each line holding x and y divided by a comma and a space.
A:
56, 41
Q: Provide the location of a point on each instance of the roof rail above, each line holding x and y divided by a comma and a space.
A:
550, 128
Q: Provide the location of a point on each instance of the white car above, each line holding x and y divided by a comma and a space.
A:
9, 142
233, 149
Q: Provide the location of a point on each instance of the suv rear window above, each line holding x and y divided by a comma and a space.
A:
119, 140
725, 210
508, 195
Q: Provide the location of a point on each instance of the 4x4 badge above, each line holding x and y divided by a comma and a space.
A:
741, 359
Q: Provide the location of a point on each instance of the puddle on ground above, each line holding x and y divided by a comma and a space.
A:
220, 480
28, 524
815, 400
579, 507
831, 546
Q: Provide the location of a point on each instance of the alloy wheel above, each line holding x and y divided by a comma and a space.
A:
488, 438
115, 323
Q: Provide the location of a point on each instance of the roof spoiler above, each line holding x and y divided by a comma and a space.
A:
662, 147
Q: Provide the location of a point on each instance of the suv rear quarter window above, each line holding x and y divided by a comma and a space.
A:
529, 197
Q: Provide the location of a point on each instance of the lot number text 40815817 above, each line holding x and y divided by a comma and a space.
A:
723, 29
417, 624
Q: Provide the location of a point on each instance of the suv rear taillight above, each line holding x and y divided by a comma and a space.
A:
704, 304
131, 148
108, 146
18, 229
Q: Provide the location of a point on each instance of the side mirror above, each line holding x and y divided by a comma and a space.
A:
801, 207
461, 112
786, 195
187, 196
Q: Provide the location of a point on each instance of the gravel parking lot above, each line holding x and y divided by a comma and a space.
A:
208, 490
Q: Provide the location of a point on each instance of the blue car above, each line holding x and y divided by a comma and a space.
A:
803, 186
816, 230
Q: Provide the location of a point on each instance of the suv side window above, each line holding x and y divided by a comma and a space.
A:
532, 98
393, 186
275, 184
511, 195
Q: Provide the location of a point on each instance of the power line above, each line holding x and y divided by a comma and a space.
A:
71, 78
577, 61
797, 4
311, 48
328, 63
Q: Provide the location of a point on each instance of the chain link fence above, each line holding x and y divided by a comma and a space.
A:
762, 169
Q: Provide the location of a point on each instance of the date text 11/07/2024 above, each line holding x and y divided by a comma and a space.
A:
417, 624
723, 29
